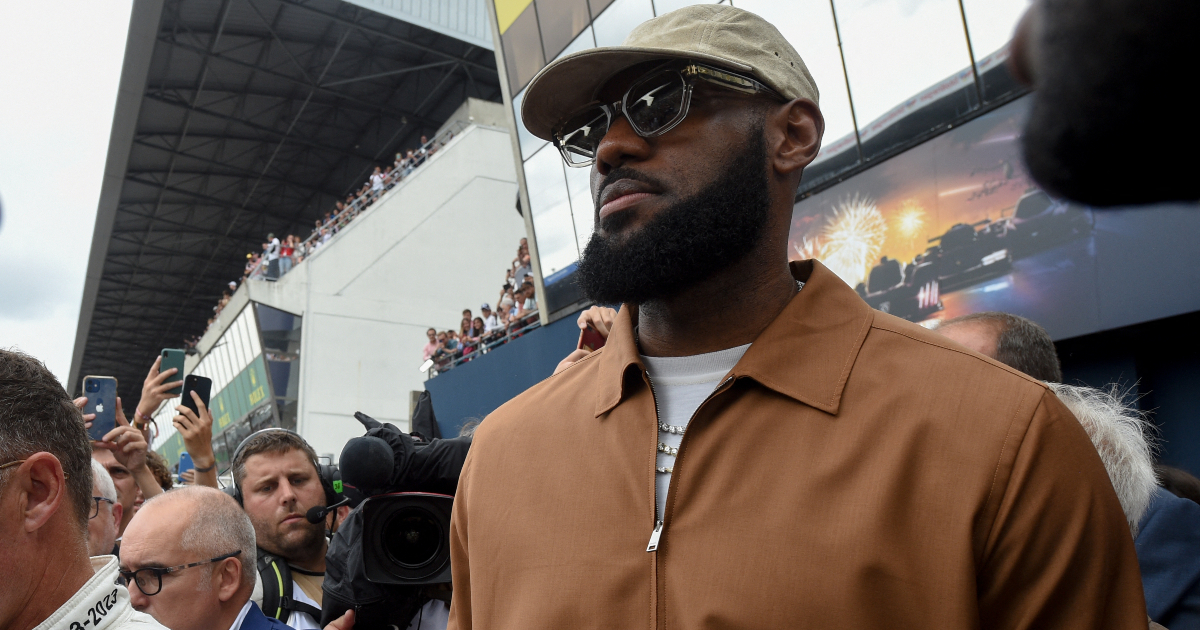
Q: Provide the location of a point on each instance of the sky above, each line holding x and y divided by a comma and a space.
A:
60, 64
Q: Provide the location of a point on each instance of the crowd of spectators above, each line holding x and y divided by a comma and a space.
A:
278, 257
515, 312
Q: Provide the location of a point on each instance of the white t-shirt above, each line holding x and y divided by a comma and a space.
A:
680, 385
299, 620
377, 181
273, 250
491, 322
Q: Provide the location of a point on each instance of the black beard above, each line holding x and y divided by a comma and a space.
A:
686, 242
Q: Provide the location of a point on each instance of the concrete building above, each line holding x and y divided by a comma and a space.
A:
344, 330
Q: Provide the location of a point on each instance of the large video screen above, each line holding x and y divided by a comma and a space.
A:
956, 225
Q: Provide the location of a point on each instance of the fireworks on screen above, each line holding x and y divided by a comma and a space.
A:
853, 237
909, 219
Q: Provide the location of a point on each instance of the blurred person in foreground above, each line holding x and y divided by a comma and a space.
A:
46, 489
189, 559
276, 472
1106, 76
790, 458
104, 519
1166, 528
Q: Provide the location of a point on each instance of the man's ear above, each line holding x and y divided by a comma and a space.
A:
44, 486
227, 578
794, 135
118, 511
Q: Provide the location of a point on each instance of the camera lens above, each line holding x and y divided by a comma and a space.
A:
412, 537
91, 386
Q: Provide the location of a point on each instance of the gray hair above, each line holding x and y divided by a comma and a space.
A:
1120, 434
36, 416
102, 480
1021, 343
217, 526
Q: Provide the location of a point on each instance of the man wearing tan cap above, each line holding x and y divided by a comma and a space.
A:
755, 447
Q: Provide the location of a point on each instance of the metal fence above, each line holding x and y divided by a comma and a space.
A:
490, 341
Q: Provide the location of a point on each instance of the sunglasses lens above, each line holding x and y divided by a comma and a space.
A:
581, 134
655, 102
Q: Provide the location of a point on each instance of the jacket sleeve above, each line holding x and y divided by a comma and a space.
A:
1058, 553
460, 565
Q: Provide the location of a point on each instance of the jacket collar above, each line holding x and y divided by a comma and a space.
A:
805, 353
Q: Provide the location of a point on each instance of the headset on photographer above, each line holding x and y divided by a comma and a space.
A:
273, 571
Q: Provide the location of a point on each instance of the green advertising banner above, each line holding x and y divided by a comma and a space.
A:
242, 395
246, 392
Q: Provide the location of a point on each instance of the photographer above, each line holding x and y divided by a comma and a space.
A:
276, 475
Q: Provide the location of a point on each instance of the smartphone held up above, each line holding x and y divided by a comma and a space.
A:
101, 393
199, 384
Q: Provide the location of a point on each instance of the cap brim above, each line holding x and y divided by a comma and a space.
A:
569, 83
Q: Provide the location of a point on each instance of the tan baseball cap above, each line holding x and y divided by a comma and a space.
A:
723, 36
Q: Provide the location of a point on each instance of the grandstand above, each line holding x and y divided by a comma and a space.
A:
236, 119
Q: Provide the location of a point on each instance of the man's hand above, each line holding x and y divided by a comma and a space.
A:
127, 444
80, 403
600, 318
196, 429
155, 388
345, 622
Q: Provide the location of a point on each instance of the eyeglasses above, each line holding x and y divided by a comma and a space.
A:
653, 105
96, 506
149, 579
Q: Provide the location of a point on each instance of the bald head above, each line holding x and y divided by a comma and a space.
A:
215, 524
193, 524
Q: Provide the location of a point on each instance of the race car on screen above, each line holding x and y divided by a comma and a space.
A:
907, 291
965, 255
1040, 222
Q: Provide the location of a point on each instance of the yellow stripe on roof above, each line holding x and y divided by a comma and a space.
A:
507, 12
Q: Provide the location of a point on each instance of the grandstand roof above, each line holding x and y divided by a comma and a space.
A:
236, 118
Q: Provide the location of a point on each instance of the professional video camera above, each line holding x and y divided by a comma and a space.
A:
395, 545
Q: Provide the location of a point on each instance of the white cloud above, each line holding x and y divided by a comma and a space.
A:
62, 64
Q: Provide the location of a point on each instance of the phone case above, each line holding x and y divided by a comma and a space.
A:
185, 462
173, 358
101, 392
591, 339
198, 384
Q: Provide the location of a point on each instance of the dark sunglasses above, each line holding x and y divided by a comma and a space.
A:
149, 579
654, 105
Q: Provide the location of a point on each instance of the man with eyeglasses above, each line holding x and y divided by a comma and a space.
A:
189, 559
787, 459
47, 580
104, 521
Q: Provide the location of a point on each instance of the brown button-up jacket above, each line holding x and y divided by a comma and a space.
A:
854, 471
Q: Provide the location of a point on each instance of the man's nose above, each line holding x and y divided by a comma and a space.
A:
620, 145
137, 598
287, 493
